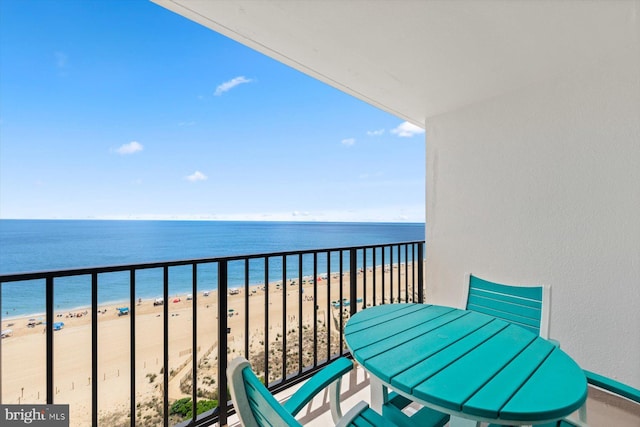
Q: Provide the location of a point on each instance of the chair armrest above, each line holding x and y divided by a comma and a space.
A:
317, 383
613, 386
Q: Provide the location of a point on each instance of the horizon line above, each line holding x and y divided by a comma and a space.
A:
310, 220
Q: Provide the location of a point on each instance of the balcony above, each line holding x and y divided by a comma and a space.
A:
131, 362
113, 365
530, 115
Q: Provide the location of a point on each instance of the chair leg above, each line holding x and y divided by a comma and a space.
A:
334, 400
582, 412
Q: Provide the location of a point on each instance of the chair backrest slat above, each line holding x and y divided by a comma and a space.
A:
265, 408
519, 305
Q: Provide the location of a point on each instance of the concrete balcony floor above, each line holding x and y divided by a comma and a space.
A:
603, 409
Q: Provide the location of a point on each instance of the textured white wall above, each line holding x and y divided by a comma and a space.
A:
542, 185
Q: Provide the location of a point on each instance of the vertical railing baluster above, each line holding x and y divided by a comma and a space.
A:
364, 278
353, 282
398, 268
375, 273
341, 284
246, 308
390, 273
132, 346
165, 344
315, 309
406, 273
420, 273
384, 267
266, 321
389, 255
416, 289
94, 349
413, 272
300, 290
194, 343
409, 272
284, 317
49, 331
328, 314
399, 262
223, 398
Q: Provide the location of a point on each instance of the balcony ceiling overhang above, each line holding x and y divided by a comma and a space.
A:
417, 59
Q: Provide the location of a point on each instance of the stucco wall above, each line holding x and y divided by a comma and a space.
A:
542, 185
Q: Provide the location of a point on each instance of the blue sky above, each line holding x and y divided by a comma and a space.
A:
122, 109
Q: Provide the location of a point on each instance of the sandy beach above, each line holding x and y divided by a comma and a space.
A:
24, 364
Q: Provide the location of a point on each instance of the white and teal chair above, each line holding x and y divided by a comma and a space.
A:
525, 306
257, 407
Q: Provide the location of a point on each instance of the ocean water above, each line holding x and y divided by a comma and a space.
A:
42, 245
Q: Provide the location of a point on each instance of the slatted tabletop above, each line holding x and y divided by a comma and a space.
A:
466, 363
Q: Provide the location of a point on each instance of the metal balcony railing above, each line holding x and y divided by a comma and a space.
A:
301, 299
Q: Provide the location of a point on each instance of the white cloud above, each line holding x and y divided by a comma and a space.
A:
348, 141
407, 130
197, 176
228, 85
375, 132
130, 148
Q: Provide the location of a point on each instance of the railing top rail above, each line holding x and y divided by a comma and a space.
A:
22, 276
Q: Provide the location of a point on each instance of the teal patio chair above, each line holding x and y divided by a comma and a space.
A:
257, 407
525, 306
608, 385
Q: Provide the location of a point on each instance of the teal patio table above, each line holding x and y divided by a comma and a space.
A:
470, 365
